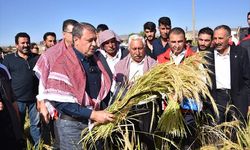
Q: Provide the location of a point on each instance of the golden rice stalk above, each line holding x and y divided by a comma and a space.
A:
187, 79
172, 121
243, 135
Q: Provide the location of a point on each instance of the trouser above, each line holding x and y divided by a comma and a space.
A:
34, 119
147, 122
69, 133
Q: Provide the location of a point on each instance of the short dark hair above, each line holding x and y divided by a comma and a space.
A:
21, 34
79, 27
149, 25
68, 22
32, 45
49, 34
206, 30
164, 21
225, 27
248, 13
177, 30
102, 27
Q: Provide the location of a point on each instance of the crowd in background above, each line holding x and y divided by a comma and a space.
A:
73, 80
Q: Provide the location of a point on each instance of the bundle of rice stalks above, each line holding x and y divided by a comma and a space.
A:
171, 120
167, 79
243, 135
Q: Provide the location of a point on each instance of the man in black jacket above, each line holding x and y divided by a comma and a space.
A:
230, 75
24, 82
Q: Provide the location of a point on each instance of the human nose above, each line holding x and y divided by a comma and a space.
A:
216, 40
94, 43
26, 44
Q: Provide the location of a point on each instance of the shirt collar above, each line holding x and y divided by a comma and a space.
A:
17, 55
80, 56
181, 54
140, 63
219, 54
118, 54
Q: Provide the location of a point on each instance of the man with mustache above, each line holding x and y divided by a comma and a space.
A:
110, 50
149, 31
24, 82
77, 84
230, 76
127, 70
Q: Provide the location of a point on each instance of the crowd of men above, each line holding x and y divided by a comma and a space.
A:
71, 83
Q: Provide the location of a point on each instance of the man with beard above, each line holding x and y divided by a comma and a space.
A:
149, 31
205, 38
160, 45
230, 76
24, 82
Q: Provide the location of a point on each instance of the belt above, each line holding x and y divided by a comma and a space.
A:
227, 91
67, 117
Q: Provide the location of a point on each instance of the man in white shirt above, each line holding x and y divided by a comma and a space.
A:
110, 51
230, 76
127, 70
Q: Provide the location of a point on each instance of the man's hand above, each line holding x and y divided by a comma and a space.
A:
42, 109
101, 117
1, 106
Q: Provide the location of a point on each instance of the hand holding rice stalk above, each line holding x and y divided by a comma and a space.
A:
184, 80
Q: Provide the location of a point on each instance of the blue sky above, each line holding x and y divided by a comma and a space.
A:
39, 16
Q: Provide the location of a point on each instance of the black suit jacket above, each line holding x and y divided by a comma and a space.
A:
240, 78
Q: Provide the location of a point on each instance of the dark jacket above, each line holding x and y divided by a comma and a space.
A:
24, 82
240, 78
10, 128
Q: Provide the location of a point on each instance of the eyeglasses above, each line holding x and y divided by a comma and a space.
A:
67, 31
248, 18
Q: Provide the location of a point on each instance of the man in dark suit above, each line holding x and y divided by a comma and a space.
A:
230, 75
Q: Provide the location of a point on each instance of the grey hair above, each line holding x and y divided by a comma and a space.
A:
225, 27
80, 27
135, 37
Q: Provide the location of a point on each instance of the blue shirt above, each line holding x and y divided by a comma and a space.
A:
158, 47
191, 104
93, 85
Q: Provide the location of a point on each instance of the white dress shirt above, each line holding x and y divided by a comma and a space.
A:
135, 70
222, 70
177, 59
112, 60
